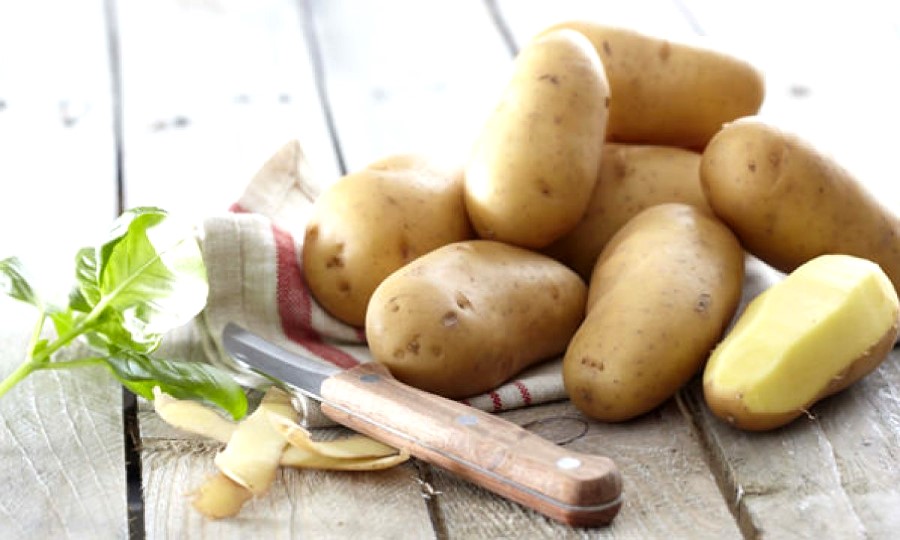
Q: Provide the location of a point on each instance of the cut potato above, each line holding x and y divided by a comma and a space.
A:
828, 324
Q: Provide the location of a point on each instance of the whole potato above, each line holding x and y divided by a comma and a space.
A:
789, 203
669, 93
631, 178
467, 317
535, 162
369, 223
661, 294
832, 321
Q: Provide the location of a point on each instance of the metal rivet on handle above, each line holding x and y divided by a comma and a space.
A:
568, 463
370, 378
467, 420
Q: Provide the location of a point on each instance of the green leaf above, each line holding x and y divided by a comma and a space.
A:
14, 282
183, 380
86, 293
147, 279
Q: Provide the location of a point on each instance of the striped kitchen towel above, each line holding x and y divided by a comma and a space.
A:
253, 259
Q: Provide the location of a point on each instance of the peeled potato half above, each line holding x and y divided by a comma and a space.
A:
828, 324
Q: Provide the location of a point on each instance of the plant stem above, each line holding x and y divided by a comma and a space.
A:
24, 369
29, 365
36, 334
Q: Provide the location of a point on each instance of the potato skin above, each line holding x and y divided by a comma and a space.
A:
369, 223
730, 407
661, 294
535, 162
466, 317
669, 93
631, 178
788, 203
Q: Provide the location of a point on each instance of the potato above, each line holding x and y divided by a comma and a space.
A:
534, 165
661, 294
631, 178
789, 203
669, 93
467, 317
369, 223
828, 324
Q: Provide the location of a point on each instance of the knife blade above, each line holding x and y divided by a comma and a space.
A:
571, 487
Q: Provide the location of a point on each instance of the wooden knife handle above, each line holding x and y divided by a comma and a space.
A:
574, 488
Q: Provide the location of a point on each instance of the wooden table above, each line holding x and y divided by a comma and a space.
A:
106, 105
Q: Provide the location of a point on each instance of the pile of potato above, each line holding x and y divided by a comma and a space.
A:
603, 214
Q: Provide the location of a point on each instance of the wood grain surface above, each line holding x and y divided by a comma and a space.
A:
107, 104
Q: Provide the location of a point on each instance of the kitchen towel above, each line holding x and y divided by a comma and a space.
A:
253, 259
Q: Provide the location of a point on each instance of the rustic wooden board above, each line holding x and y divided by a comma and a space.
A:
61, 440
61, 444
669, 490
313, 504
211, 89
525, 18
57, 147
408, 76
836, 467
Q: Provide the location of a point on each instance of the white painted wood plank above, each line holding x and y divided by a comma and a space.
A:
863, 430
668, 490
837, 467
408, 75
211, 89
663, 18
61, 439
300, 504
61, 447
57, 161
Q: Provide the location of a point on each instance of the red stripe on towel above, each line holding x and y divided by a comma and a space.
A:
295, 304
495, 399
526, 395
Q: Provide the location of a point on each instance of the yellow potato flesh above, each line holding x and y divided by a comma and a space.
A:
795, 338
220, 497
352, 447
192, 417
254, 450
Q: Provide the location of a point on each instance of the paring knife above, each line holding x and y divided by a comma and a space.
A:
574, 488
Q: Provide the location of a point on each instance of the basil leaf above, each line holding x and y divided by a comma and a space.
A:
147, 279
87, 293
183, 380
14, 282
